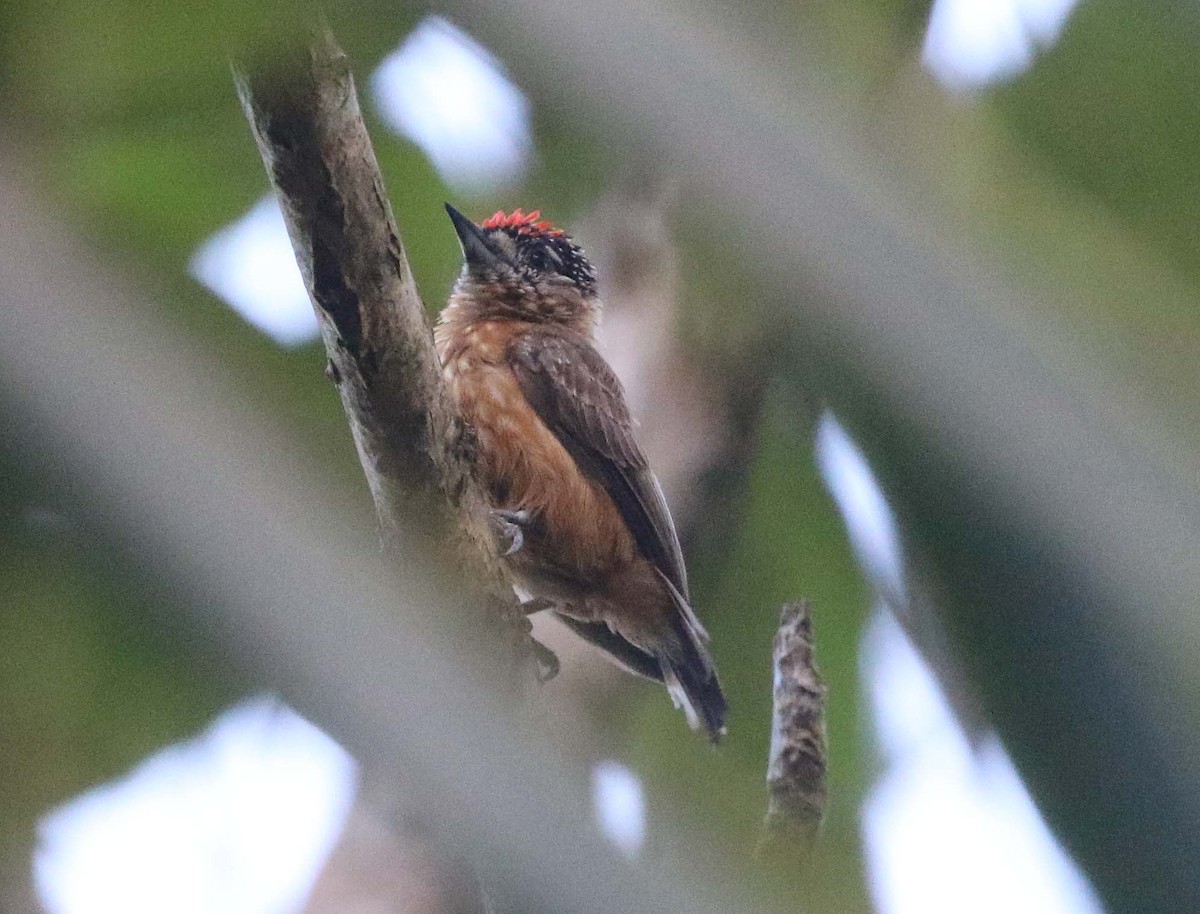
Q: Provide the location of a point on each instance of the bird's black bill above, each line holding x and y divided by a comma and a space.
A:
476, 249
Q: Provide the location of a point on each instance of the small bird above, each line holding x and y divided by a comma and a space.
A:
589, 532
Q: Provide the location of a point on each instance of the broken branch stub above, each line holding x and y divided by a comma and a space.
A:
798, 755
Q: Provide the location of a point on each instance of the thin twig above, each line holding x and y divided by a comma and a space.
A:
306, 120
796, 768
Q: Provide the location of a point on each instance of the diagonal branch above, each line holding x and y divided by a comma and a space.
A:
306, 120
264, 567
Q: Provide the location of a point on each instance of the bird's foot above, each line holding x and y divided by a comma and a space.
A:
547, 661
511, 524
536, 605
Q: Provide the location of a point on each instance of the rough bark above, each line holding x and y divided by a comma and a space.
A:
267, 571
411, 443
796, 768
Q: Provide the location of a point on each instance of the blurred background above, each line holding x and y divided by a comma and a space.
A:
1012, 714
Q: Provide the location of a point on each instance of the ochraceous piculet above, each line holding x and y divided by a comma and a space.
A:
588, 529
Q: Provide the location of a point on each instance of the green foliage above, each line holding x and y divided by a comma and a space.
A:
1077, 176
770, 560
94, 675
1113, 110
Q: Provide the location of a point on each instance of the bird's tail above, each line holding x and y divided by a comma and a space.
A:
689, 673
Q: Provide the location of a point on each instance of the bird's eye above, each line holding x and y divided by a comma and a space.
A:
539, 260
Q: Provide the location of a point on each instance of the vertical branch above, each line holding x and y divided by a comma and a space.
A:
796, 767
307, 124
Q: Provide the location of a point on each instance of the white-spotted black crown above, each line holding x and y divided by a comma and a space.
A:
542, 248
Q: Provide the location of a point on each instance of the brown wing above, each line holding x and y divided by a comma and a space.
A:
577, 396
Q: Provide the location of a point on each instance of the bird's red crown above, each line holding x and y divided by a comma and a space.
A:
522, 223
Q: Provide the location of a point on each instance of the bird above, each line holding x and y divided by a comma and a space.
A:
587, 527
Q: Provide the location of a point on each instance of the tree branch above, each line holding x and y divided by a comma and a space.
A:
306, 120
1059, 512
796, 768
170, 461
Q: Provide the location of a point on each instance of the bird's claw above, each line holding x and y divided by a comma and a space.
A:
547, 661
512, 524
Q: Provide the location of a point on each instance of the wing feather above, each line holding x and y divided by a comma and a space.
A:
579, 398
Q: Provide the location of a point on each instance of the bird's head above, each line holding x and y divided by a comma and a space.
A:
517, 267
